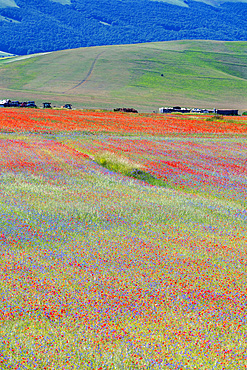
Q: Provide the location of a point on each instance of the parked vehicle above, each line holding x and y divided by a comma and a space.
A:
67, 106
14, 104
46, 105
31, 104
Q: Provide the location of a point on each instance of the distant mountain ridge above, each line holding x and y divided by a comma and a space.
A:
12, 3
31, 26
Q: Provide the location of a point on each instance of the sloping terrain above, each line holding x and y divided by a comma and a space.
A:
8, 4
146, 76
33, 26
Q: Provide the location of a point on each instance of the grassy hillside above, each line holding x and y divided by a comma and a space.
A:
8, 4
3, 54
195, 73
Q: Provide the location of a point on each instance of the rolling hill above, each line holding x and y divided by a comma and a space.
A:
145, 76
33, 26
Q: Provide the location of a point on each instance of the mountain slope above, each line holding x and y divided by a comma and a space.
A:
146, 76
34, 26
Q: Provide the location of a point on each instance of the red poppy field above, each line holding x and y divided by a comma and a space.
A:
60, 120
99, 270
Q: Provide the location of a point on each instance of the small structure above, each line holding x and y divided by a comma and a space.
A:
205, 111
5, 102
227, 112
165, 110
46, 105
176, 109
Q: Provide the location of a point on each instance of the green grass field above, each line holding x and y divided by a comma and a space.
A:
195, 74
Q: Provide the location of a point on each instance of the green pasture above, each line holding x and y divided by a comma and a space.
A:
194, 74
7, 4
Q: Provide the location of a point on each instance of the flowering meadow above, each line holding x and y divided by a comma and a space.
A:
103, 271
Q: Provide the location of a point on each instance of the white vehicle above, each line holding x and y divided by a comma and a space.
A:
5, 102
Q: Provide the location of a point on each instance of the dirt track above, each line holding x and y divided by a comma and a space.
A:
88, 74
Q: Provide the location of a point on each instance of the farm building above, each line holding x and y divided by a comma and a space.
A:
176, 109
227, 112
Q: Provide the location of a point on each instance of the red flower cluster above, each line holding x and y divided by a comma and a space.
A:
57, 120
157, 275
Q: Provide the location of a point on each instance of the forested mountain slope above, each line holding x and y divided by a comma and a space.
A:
29, 26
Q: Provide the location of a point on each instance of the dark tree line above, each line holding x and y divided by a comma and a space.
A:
38, 26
